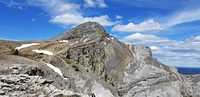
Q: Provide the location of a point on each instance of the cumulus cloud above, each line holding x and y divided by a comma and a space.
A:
77, 19
95, 3
142, 37
147, 39
148, 25
67, 13
179, 17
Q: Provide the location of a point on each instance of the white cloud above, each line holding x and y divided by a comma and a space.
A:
149, 40
167, 22
95, 3
118, 17
13, 4
148, 25
54, 5
66, 13
181, 54
70, 19
142, 37
145, 39
170, 52
73, 19
178, 59
195, 38
182, 17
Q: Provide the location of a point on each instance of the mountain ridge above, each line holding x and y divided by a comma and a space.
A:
88, 62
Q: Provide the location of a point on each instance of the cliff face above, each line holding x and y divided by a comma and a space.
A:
86, 62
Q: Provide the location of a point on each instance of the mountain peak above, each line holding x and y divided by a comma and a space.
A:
102, 64
91, 25
88, 30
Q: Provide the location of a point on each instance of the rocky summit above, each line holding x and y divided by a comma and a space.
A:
87, 62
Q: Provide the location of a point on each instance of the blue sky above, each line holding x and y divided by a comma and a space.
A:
169, 27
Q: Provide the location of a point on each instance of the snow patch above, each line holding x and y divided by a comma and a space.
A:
85, 40
63, 41
70, 93
76, 42
108, 38
56, 69
155, 48
26, 45
100, 91
43, 52
105, 43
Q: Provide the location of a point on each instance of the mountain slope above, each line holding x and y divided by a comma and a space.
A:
88, 62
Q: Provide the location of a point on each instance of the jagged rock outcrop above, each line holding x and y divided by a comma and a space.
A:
87, 62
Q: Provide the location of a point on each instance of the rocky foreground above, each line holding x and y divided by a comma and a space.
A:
87, 62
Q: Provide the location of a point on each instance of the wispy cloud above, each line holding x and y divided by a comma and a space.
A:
181, 54
158, 4
67, 13
182, 17
55, 7
95, 3
13, 4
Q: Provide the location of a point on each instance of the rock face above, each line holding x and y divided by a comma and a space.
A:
87, 62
